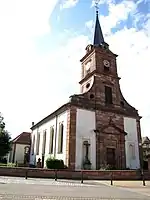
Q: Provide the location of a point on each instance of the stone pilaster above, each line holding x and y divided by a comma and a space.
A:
71, 138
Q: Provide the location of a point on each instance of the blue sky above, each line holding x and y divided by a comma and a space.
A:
41, 43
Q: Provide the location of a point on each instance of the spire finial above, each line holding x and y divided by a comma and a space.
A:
98, 35
96, 6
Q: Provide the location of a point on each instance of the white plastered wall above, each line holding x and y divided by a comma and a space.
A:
131, 143
85, 126
19, 153
46, 126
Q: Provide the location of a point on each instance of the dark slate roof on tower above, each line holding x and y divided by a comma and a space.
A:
98, 35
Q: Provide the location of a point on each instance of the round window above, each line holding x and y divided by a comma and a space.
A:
87, 85
91, 96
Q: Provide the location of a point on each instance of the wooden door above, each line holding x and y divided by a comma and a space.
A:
111, 157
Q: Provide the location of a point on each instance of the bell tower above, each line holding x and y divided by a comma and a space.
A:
99, 71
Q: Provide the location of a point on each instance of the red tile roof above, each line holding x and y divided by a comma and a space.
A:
23, 138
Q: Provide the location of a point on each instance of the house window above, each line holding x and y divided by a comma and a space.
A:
60, 138
108, 95
26, 154
132, 151
38, 144
51, 140
33, 143
44, 142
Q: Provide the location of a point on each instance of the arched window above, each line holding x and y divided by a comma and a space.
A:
51, 140
37, 143
44, 142
33, 144
60, 138
132, 151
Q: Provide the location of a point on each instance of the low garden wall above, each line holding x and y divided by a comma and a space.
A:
66, 174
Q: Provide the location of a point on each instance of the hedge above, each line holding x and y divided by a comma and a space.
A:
52, 163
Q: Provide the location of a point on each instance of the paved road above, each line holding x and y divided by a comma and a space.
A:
38, 189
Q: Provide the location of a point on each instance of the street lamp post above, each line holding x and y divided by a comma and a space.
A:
141, 156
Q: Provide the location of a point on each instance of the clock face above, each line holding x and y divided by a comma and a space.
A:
106, 63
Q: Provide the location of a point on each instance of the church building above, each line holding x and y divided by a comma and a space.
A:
97, 127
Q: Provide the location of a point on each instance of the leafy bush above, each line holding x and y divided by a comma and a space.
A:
8, 165
3, 165
107, 167
11, 164
110, 167
5, 139
52, 163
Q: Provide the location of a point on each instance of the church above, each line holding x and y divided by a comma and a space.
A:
97, 127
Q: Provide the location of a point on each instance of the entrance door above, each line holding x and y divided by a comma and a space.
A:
111, 160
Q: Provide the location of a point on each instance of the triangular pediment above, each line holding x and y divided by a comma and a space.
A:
112, 129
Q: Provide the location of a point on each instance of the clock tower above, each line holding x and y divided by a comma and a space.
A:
101, 93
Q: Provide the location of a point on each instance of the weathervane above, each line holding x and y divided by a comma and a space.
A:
96, 5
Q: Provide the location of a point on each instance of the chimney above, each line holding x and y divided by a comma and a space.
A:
32, 123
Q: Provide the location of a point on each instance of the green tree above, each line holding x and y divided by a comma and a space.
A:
5, 139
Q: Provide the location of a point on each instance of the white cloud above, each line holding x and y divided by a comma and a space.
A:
99, 2
90, 25
68, 4
117, 13
20, 65
29, 18
142, 1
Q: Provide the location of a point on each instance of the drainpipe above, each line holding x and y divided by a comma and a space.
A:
55, 136
98, 155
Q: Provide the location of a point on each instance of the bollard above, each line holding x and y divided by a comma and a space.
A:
143, 178
111, 181
81, 176
26, 175
55, 175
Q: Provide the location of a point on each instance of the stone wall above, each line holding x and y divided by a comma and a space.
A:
87, 174
110, 136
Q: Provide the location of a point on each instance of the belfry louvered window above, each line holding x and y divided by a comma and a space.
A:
108, 95
60, 138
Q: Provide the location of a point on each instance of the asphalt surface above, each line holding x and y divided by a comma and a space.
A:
38, 189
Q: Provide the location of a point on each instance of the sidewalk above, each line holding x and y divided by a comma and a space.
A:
132, 186
127, 184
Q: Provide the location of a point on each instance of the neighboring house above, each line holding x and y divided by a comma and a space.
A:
20, 149
146, 150
96, 127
